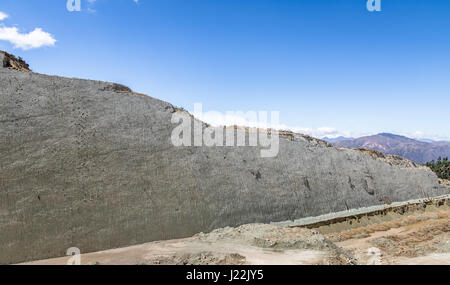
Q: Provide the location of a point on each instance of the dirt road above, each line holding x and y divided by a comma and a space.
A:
410, 233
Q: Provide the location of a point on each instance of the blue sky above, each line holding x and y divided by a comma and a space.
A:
330, 67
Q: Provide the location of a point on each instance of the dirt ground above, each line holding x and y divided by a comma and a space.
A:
259, 244
420, 237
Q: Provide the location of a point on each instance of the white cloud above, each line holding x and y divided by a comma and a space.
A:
250, 119
35, 39
426, 136
91, 4
223, 119
93, 1
3, 16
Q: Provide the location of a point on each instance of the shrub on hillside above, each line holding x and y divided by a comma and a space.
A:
441, 167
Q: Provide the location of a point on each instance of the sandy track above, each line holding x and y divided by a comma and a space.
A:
250, 244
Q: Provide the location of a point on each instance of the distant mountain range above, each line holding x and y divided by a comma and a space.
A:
415, 150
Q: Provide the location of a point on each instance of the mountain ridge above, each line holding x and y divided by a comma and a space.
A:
392, 144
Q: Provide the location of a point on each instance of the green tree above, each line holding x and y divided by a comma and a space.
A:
441, 167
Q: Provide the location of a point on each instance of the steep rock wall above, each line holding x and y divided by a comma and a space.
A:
87, 164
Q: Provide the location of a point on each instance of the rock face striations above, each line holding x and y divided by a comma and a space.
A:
90, 164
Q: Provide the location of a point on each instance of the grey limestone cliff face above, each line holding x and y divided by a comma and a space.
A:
90, 164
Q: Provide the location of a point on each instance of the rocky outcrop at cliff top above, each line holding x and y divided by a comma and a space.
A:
90, 164
10, 61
